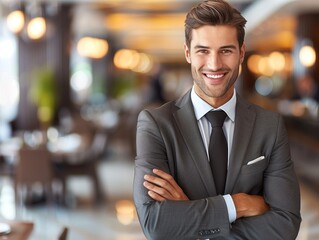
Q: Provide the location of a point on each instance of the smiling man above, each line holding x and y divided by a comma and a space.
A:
187, 188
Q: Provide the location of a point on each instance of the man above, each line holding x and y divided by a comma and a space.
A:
175, 189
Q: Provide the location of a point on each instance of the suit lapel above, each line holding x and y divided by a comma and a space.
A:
187, 123
244, 124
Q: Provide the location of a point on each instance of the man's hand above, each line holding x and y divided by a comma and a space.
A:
249, 205
163, 187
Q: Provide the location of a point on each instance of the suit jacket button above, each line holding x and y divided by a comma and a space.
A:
215, 230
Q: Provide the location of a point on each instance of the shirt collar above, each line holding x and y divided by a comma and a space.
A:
201, 107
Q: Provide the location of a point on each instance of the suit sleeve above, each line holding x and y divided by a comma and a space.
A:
194, 219
281, 192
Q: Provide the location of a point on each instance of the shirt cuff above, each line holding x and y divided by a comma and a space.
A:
230, 207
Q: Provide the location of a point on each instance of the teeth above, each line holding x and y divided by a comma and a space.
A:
214, 76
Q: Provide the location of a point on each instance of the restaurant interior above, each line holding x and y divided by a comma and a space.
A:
74, 74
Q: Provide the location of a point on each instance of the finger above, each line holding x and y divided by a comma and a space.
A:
156, 196
177, 190
160, 182
159, 190
155, 179
161, 174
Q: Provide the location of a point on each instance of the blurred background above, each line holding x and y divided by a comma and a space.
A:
74, 74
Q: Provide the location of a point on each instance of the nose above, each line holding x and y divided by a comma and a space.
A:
214, 62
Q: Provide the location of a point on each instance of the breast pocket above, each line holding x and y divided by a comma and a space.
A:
255, 167
251, 178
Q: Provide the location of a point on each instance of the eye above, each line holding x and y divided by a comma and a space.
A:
202, 51
226, 51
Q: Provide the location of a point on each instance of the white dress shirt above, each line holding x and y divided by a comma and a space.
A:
201, 108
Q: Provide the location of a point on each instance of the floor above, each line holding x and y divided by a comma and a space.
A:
115, 218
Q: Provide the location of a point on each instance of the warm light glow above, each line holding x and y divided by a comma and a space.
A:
15, 21
92, 47
253, 62
36, 28
264, 67
240, 70
277, 61
133, 60
307, 56
144, 65
126, 59
119, 21
289, 62
125, 211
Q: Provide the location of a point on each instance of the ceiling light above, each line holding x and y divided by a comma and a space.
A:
15, 21
36, 28
307, 56
92, 47
277, 61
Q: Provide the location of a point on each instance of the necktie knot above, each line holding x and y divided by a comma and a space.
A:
216, 118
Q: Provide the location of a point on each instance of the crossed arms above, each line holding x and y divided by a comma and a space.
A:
163, 187
172, 202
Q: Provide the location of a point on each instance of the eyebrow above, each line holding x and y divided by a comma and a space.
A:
200, 46
223, 47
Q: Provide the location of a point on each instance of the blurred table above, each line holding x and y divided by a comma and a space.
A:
10, 147
68, 147
63, 147
18, 230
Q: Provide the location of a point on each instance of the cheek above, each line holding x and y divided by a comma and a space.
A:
197, 63
233, 63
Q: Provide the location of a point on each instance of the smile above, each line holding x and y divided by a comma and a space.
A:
214, 76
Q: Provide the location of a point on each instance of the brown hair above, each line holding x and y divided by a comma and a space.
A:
214, 12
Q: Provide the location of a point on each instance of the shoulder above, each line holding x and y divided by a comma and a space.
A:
162, 111
256, 109
168, 109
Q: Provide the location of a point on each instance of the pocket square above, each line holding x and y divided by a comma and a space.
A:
256, 160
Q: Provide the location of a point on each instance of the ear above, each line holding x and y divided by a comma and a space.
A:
242, 52
187, 53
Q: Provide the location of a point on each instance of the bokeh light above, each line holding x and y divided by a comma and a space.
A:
307, 56
36, 28
92, 47
15, 21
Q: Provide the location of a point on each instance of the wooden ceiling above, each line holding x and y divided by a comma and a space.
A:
155, 27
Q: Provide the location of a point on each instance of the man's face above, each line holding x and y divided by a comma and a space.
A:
215, 57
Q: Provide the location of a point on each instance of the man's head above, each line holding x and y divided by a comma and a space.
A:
214, 12
215, 49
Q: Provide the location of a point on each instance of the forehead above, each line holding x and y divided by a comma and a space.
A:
214, 36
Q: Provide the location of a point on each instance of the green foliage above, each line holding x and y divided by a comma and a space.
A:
43, 91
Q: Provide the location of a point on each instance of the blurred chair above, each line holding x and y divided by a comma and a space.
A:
85, 164
34, 166
6, 171
6, 168
64, 234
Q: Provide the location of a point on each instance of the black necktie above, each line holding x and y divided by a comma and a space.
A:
218, 150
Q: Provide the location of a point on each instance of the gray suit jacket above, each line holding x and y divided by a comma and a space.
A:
168, 138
